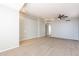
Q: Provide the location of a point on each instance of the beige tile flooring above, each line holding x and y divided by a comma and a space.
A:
45, 47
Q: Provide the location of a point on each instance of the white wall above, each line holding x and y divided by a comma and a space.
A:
66, 29
33, 28
9, 28
41, 28
30, 30
76, 28
21, 25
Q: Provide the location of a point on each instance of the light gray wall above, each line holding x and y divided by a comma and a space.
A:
33, 28
9, 28
21, 25
41, 29
76, 28
66, 29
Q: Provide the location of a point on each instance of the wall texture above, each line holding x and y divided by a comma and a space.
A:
9, 28
21, 25
66, 29
33, 27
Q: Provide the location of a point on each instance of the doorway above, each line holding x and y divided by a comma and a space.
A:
48, 29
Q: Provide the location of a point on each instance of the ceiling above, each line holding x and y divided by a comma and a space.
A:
14, 6
52, 10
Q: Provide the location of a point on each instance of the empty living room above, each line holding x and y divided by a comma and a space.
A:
43, 29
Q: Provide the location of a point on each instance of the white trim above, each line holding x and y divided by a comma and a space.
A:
9, 49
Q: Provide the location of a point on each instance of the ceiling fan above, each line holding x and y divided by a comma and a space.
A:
62, 16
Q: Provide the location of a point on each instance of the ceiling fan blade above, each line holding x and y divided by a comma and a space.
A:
60, 16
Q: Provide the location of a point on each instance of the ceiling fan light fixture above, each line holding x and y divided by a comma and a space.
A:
62, 17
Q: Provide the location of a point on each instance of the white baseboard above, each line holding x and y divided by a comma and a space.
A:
9, 49
64, 38
31, 38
